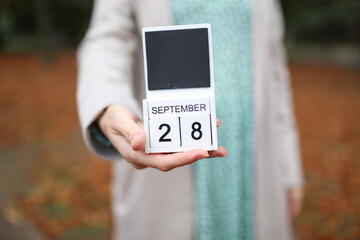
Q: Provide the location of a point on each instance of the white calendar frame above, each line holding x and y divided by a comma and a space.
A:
180, 95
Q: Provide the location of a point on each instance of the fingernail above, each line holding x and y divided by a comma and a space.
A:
203, 156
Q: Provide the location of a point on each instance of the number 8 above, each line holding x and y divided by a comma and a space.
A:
196, 126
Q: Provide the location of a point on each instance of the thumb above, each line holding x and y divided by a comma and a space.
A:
126, 124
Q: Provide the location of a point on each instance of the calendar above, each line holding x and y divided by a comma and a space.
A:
179, 109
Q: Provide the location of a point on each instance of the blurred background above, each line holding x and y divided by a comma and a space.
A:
51, 187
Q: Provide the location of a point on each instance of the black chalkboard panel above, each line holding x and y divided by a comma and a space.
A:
177, 59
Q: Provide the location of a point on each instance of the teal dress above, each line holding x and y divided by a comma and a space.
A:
224, 186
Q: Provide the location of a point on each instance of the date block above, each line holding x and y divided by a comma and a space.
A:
164, 132
180, 125
195, 131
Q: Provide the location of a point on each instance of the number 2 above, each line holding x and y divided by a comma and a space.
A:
162, 138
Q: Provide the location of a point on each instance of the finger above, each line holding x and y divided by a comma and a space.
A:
167, 162
218, 122
138, 141
138, 166
293, 209
124, 148
163, 162
139, 159
294, 200
297, 206
131, 130
221, 152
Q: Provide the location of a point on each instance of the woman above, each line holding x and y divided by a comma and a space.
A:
252, 192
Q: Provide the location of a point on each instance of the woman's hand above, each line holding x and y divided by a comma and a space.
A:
121, 126
295, 197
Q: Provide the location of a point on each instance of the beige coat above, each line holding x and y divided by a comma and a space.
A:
150, 204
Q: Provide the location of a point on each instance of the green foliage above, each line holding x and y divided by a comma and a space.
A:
322, 21
86, 233
55, 210
67, 22
70, 19
307, 21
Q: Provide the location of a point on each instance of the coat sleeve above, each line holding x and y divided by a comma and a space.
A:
105, 67
284, 113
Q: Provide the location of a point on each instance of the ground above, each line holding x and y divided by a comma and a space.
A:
51, 187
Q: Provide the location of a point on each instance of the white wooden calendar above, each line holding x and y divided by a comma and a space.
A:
179, 109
